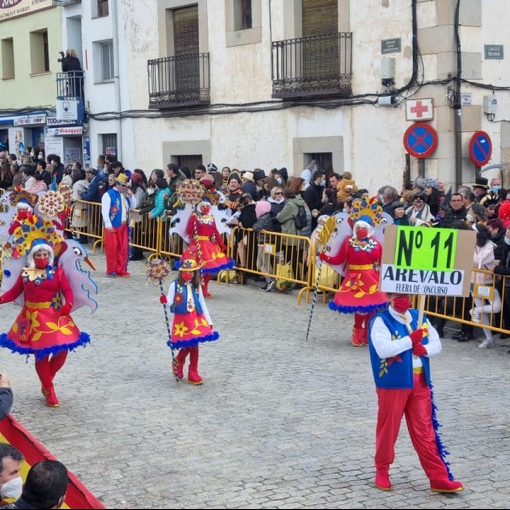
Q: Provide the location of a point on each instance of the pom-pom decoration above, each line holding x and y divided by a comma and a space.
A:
51, 203
66, 192
157, 271
190, 191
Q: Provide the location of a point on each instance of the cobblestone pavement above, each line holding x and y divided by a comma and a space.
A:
278, 423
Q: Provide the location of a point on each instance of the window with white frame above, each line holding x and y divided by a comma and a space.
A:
107, 63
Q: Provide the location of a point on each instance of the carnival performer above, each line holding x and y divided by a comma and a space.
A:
44, 327
206, 245
192, 323
115, 206
360, 254
24, 202
400, 348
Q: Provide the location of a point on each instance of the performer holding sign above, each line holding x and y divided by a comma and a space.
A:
400, 347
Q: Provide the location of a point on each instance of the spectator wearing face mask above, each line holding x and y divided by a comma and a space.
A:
11, 461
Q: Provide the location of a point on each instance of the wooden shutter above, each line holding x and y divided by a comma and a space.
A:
187, 66
320, 17
186, 30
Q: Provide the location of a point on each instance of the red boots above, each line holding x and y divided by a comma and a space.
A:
205, 286
358, 336
50, 396
180, 360
445, 486
382, 479
193, 376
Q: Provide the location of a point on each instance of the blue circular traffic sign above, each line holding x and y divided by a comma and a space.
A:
420, 140
480, 148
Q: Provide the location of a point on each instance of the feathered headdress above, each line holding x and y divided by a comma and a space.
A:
366, 210
35, 231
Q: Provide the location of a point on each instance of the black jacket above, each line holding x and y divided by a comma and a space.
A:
451, 216
70, 64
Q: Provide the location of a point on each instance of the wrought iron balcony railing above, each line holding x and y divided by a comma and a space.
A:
178, 81
315, 66
70, 85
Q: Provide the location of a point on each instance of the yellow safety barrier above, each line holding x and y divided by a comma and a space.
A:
292, 261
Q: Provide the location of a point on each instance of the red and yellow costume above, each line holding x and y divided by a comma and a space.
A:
192, 323
206, 245
360, 254
43, 327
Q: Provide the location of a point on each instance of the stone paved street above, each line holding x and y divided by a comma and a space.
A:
278, 423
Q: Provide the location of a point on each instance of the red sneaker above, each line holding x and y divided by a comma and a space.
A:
124, 275
382, 479
446, 486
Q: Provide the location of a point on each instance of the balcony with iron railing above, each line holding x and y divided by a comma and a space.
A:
179, 81
317, 66
70, 89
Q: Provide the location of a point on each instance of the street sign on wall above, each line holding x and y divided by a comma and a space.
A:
420, 140
480, 148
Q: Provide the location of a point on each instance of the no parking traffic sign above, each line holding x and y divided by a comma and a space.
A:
480, 148
420, 140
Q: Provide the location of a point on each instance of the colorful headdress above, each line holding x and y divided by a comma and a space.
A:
189, 265
34, 231
21, 195
369, 211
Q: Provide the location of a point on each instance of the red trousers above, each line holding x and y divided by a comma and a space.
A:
416, 404
116, 250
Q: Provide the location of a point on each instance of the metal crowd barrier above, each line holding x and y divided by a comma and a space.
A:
291, 260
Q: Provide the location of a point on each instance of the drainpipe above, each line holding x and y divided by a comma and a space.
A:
457, 108
118, 102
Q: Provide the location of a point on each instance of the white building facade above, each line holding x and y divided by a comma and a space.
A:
272, 83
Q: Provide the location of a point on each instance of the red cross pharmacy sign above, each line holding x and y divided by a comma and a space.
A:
420, 109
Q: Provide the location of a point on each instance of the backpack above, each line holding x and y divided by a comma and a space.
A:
300, 220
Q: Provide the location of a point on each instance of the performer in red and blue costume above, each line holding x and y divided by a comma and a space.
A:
206, 245
44, 327
361, 255
400, 348
192, 324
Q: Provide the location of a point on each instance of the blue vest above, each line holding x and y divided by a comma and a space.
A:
396, 372
179, 306
116, 205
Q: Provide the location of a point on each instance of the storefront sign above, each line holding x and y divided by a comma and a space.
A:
12, 8
29, 120
53, 121
65, 131
429, 261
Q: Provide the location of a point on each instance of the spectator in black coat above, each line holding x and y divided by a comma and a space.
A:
456, 211
6, 397
313, 195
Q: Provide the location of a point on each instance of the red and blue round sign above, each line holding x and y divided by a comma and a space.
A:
420, 140
480, 148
